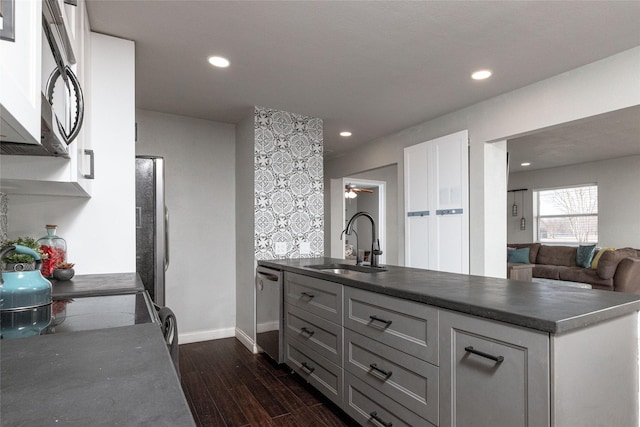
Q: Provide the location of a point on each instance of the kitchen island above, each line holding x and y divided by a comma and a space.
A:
417, 347
101, 376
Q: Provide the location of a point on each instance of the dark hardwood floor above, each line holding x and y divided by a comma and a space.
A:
226, 385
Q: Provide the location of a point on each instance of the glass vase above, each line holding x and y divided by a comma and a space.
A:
54, 250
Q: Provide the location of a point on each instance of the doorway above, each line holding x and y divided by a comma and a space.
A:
387, 226
369, 196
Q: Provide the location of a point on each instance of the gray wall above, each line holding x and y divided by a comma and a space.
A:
244, 233
580, 93
3, 217
199, 175
618, 198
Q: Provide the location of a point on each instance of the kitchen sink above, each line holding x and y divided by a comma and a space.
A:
346, 268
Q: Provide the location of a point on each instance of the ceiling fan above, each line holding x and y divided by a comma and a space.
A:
351, 191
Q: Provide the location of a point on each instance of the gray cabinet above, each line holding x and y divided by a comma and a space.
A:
320, 335
491, 373
317, 370
369, 407
320, 297
389, 361
389, 343
406, 325
313, 332
404, 379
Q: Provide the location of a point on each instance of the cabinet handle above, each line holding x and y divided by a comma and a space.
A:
377, 319
470, 349
91, 174
375, 416
307, 331
308, 295
307, 367
386, 374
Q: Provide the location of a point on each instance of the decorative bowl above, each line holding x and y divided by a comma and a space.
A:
63, 274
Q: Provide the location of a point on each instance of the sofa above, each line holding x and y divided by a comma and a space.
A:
612, 269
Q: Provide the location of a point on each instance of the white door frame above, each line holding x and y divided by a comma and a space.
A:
338, 219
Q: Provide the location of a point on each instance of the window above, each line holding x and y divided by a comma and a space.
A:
567, 215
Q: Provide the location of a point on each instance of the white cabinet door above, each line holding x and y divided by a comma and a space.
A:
416, 182
50, 175
20, 75
437, 204
416, 177
449, 200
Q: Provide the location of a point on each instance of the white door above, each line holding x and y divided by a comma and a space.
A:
437, 207
416, 180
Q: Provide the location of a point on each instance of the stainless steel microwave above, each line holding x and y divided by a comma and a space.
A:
62, 101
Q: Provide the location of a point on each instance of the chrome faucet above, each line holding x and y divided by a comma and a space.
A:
375, 243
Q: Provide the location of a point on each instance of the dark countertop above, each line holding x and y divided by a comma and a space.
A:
117, 376
549, 308
88, 285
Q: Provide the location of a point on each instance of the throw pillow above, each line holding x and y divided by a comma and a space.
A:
594, 263
585, 255
519, 256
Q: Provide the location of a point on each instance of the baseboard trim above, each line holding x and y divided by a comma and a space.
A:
246, 340
191, 337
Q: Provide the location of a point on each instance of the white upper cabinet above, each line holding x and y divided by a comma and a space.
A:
37, 175
20, 75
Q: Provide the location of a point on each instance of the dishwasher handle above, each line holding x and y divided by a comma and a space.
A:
263, 275
268, 276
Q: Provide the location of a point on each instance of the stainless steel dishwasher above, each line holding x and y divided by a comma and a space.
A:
269, 312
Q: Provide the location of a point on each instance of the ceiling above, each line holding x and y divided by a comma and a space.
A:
372, 68
606, 136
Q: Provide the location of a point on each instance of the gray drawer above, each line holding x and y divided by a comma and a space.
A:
492, 373
317, 370
320, 297
410, 382
371, 408
406, 325
318, 334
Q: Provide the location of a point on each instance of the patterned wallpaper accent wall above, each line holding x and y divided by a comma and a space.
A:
289, 201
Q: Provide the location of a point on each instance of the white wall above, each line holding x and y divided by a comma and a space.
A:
600, 87
618, 198
200, 195
100, 231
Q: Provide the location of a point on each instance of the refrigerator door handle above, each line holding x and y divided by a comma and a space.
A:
166, 238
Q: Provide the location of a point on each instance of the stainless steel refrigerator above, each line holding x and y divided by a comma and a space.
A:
152, 226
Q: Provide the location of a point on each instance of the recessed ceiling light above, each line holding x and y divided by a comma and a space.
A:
481, 74
525, 164
219, 61
345, 133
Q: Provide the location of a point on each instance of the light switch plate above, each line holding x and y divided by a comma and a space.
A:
281, 248
305, 248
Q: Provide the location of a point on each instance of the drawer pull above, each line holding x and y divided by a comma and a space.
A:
386, 374
377, 319
375, 416
470, 349
307, 294
307, 331
308, 368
